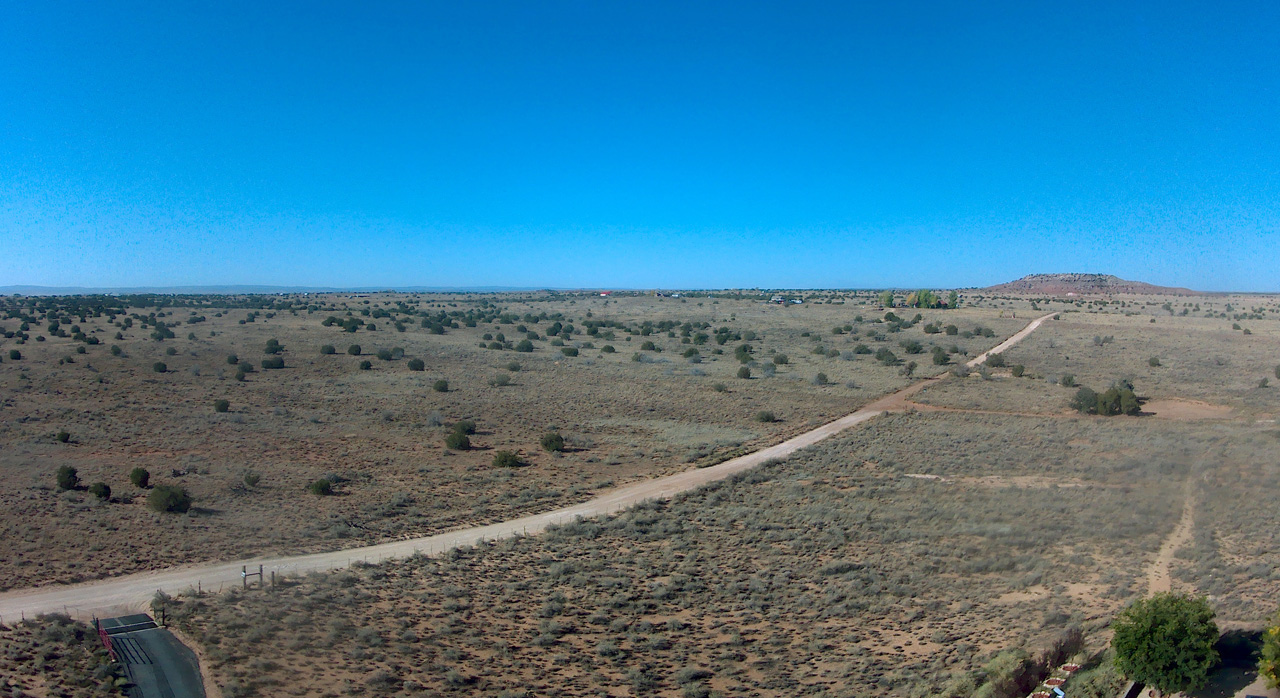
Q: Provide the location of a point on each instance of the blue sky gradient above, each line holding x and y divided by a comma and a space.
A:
584, 144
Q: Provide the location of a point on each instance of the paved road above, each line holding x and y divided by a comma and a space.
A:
131, 593
158, 664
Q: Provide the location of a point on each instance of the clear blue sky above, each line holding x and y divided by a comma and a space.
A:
641, 144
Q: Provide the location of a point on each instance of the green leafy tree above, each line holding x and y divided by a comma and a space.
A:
953, 299
457, 441
1269, 659
440, 386
744, 372
101, 490
416, 364
170, 498
68, 478
354, 350
1166, 642
506, 459
886, 299
321, 488
140, 477
553, 441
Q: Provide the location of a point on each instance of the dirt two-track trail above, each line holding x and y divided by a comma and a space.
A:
132, 593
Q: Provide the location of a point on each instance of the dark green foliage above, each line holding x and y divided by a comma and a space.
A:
273, 347
524, 346
221, 405
720, 387
886, 357
569, 351
744, 372
820, 379
552, 441
607, 349
780, 359
1153, 361
251, 479
159, 367
500, 381
101, 490
951, 330
354, 350
366, 365
1017, 370
765, 416
1167, 642
506, 459
440, 386
321, 487
457, 441
940, 357
275, 362
68, 478
170, 498
995, 360
416, 365
140, 477
648, 346
1085, 401
328, 349
465, 426
1068, 381
232, 359
513, 366
63, 436
911, 346
384, 354
116, 350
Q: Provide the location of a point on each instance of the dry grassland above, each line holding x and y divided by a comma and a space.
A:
55, 657
878, 562
378, 434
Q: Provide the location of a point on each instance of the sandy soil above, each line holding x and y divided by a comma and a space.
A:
1158, 577
1186, 410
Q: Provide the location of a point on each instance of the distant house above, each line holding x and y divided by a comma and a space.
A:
606, 294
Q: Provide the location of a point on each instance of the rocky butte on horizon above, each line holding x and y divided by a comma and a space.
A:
1086, 285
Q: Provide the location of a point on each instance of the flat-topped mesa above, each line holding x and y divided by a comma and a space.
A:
1084, 285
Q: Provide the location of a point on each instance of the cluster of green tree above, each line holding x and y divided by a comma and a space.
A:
1116, 400
923, 298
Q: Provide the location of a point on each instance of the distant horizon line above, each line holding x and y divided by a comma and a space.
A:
255, 289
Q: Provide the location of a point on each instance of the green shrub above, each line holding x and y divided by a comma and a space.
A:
820, 379
62, 436
116, 350
275, 362
524, 346
440, 386
328, 349
416, 365
100, 490
68, 478
513, 366
720, 387
1085, 401
232, 359
457, 441
140, 477
506, 459
765, 416
221, 405
1167, 642
321, 487
366, 365
552, 441
170, 498
781, 359
159, 367
465, 426
273, 347
648, 346
384, 354
354, 350
744, 372
911, 346
569, 351
607, 349
1017, 370
1153, 361
886, 357
15, 355
1067, 381
500, 381
995, 360
251, 479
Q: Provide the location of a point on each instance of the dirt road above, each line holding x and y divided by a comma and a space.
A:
1158, 578
133, 592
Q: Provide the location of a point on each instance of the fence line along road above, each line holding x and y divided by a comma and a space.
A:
131, 593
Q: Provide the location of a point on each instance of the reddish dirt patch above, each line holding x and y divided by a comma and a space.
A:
1181, 410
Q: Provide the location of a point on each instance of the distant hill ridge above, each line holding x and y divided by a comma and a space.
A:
1084, 285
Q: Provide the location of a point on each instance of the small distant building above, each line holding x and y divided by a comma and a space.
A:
606, 294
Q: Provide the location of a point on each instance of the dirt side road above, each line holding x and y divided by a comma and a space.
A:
133, 592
